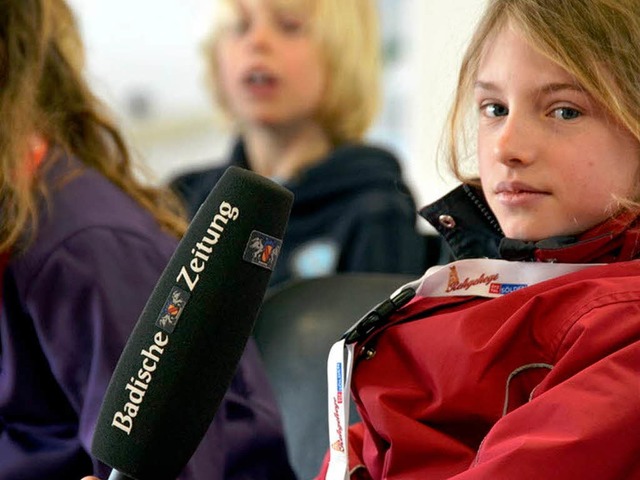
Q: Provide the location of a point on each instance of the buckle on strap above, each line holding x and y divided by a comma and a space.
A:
378, 315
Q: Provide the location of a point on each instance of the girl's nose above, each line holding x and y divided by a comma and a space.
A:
516, 141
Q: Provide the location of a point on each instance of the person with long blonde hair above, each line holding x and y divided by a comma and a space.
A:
522, 359
83, 240
298, 83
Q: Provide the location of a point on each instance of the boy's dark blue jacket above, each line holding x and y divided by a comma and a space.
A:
352, 212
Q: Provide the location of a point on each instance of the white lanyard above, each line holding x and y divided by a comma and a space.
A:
477, 277
339, 367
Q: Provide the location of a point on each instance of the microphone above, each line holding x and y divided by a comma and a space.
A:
184, 350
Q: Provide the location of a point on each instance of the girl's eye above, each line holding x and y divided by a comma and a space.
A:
493, 110
565, 113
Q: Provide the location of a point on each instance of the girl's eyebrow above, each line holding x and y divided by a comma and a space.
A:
480, 85
545, 89
557, 87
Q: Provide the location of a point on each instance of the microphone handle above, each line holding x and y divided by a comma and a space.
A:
116, 475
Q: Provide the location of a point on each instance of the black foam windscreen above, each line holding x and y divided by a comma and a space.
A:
184, 350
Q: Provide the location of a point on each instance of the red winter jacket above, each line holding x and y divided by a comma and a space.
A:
541, 383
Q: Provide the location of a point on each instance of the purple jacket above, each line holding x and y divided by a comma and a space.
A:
69, 303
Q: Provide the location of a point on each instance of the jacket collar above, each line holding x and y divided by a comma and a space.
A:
467, 224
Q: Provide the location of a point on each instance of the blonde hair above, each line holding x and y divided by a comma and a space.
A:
596, 41
43, 91
348, 37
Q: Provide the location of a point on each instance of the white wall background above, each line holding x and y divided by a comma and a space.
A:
145, 53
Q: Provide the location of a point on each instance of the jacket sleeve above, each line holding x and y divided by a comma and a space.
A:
582, 421
249, 428
84, 302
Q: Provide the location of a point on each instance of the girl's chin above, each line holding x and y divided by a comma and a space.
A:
535, 235
529, 233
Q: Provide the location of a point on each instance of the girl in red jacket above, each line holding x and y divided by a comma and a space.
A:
525, 365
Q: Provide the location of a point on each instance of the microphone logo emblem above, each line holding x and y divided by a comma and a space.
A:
172, 309
262, 250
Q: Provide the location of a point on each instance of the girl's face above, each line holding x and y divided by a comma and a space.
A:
551, 159
270, 69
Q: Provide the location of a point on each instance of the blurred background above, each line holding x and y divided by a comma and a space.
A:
145, 62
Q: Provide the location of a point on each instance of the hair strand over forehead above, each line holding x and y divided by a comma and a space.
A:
595, 41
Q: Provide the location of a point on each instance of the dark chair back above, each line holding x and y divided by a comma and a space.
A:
297, 325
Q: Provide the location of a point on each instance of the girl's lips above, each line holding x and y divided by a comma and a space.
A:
516, 187
517, 193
